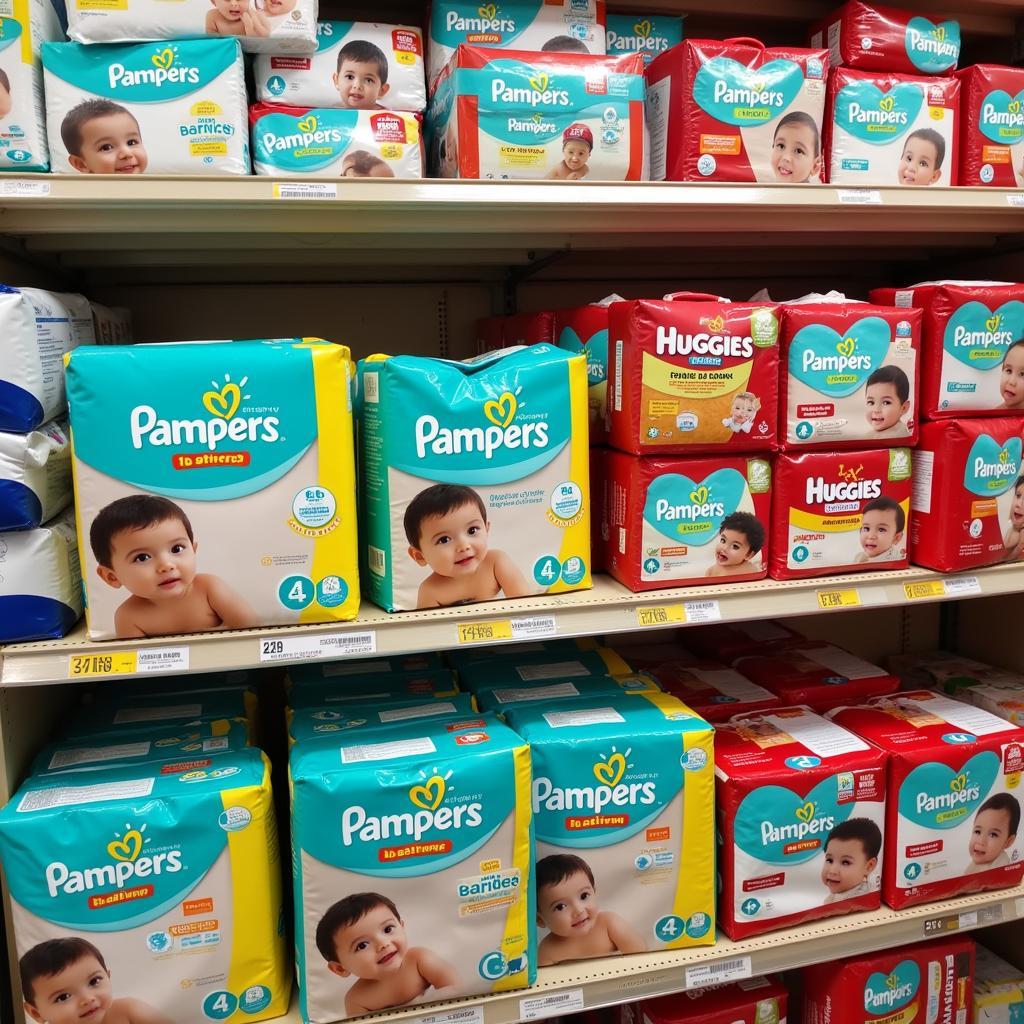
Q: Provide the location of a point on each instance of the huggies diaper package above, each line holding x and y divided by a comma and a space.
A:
646, 34
727, 641
420, 836
954, 799
236, 481
154, 889
692, 374
998, 989
713, 691
35, 476
968, 494
326, 143
850, 374
760, 1000
972, 345
475, 477
888, 129
174, 107
585, 329
306, 724
873, 38
513, 668
623, 806
800, 809
525, 114
736, 111
991, 126
835, 512
675, 522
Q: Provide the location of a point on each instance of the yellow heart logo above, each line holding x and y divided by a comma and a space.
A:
1004, 456
846, 347
699, 496
164, 59
223, 403
892, 981
940, 34
308, 125
715, 324
430, 795
992, 323
488, 11
643, 28
501, 412
540, 81
805, 813
128, 848
959, 783
1014, 107
887, 103
758, 86
610, 773
537, 118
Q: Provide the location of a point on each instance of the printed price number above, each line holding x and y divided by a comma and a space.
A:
484, 632
828, 599
271, 649
666, 615
924, 590
980, 918
82, 665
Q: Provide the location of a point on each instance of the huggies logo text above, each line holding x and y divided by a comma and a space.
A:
711, 342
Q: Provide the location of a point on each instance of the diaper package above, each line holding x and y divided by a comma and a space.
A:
598, 507
968, 496
40, 581
364, 694
143, 715
873, 38
850, 374
953, 813
948, 673
502, 697
358, 65
528, 329
326, 143
713, 691
160, 880
623, 804
835, 512
998, 989
991, 126
585, 330
762, 1000
646, 34
237, 481
727, 641
972, 345
420, 834
511, 668
560, 26
167, 108
35, 476
494, 461
888, 129
305, 724
800, 809
692, 374
80, 317
676, 522
1003, 700
928, 981
396, 665
525, 114
736, 111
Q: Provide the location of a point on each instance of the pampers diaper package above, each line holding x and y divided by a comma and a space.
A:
673, 522
692, 374
474, 477
761, 1000
998, 989
954, 800
312, 723
235, 480
800, 809
358, 65
156, 888
515, 669
991, 126
328, 143
167, 108
419, 835
972, 345
968, 494
728, 641
524, 114
888, 129
646, 34
35, 476
736, 111
623, 805
850, 374
585, 329
713, 691
835, 512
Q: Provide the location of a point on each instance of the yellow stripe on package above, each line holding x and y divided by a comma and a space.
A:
214, 484
150, 892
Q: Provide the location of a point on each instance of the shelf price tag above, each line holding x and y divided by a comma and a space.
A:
17, 187
690, 612
498, 630
125, 663
968, 919
305, 190
1015, 198
859, 196
718, 973
317, 647
957, 586
470, 1015
829, 599
554, 1005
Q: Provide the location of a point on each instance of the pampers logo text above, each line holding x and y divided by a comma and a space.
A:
886, 113
643, 38
887, 997
1003, 468
757, 95
611, 791
807, 823
962, 790
502, 434
309, 133
164, 70
995, 333
488, 20
933, 42
539, 92
702, 507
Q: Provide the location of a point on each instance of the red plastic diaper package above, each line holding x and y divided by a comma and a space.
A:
677, 522
598, 507
849, 374
761, 1000
727, 641
835, 512
490, 332
800, 806
991, 126
714, 691
733, 110
972, 345
585, 329
968, 507
926, 981
693, 374
953, 813
528, 329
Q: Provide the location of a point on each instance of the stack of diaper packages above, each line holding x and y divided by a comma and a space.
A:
992, 126
760, 1000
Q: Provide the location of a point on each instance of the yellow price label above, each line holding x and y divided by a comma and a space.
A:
484, 632
838, 599
925, 589
408, 59
119, 664
666, 615
1013, 780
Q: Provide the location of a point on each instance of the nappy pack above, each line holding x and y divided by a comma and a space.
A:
727, 641
328, 143
953, 798
646, 34
760, 1000
395, 665
676, 522
584, 329
176, 107
850, 374
516, 668
948, 673
306, 724
887, 129
483, 492
998, 989
35, 476
528, 329
735, 110
503, 696
162, 880
991, 126
968, 501
361, 691
800, 809
835, 512
713, 691
358, 65
236, 482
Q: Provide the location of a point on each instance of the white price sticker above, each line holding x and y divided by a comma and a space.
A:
1015, 199
471, 1015
554, 1005
859, 196
961, 586
17, 187
328, 645
305, 190
719, 972
702, 611
162, 659
968, 919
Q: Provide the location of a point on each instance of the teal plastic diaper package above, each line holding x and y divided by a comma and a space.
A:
501, 697
512, 668
430, 686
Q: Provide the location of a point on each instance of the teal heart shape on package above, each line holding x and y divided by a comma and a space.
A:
937, 796
1001, 118
867, 113
836, 364
979, 336
692, 513
992, 469
773, 818
886, 992
932, 48
595, 348
735, 94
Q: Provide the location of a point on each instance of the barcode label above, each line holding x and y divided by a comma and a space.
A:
376, 560
554, 1005
719, 972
